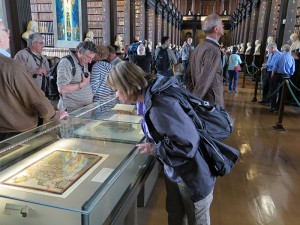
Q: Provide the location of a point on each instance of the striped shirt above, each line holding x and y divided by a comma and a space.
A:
101, 91
76, 99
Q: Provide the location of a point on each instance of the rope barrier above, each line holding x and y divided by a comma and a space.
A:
294, 86
253, 64
252, 74
294, 97
276, 91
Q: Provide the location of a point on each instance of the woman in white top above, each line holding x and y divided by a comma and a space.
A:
234, 60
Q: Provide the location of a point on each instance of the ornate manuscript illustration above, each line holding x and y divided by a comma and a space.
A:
67, 16
55, 172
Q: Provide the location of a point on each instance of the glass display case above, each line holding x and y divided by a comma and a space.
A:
79, 171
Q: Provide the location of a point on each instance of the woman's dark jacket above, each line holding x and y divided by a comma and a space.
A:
177, 140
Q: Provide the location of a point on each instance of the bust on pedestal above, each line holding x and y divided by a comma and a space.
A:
89, 36
270, 40
248, 50
32, 27
295, 42
242, 49
257, 47
119, 43
295, 45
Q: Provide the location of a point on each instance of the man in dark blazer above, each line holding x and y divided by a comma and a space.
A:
204, 75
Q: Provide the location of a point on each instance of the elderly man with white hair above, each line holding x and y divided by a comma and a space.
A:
284, 67
204, 75
36, 63
273, 56
143, 58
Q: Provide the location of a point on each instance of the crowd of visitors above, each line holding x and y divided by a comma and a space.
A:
94, 73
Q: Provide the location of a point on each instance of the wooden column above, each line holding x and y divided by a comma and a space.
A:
106, 4
281, 26
18, 16
290, 21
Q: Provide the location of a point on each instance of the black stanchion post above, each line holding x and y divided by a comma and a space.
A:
256, 85
244, 76
279, 125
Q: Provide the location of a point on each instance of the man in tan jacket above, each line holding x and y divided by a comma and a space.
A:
21, 101
36, 63
204, 75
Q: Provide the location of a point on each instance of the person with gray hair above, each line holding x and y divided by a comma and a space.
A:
204, 75
273, 56
112, 56
143, 58
23, 102
36, 63
284, 67
73, 78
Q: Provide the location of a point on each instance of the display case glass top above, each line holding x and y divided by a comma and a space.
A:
73, 165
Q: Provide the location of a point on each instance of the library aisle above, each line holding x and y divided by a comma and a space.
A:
263, 188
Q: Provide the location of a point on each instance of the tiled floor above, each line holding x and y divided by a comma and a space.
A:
264, 186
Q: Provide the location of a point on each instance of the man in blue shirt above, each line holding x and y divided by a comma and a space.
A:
274, 54
284, 67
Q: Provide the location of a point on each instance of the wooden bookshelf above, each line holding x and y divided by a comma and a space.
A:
151, 26
274, 18
41, 11
121, 18
297, 24
95, 20
138, 19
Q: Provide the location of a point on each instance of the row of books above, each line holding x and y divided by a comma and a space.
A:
45, 27
41, 7
56, 52
94, 10
95, 18
48, 39
94, 4
41, 16
95, 24
40, 1
97, 32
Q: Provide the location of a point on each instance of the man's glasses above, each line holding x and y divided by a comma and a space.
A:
40, 42
6, 30
88, 57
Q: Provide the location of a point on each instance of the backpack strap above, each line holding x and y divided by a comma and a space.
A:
39, 61
70, 58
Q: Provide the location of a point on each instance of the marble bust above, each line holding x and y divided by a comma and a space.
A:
119, 43
249, 47
270, 40
295, 42
89, 36
32, 27
242, 49
257, 47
